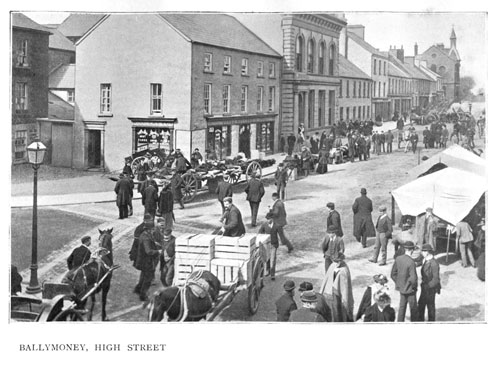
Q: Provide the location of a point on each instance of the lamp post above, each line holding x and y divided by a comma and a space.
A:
36, 153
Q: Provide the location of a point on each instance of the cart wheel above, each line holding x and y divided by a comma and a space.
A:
253, 167
234, 177
70, 315
135, 164
256, 287
189, 186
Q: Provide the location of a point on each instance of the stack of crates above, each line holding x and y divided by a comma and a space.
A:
192, 252
231, 256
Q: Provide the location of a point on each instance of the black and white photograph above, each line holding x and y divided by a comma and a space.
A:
223, 168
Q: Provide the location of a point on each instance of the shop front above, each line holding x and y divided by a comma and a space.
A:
153, 134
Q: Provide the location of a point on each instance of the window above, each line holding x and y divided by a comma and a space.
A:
379, 67
105, 98
20, 142
368, 114
227, 64
271, 99
441, 70
353, 89
353, 112
207, 98
331, 57
272, 70
374, 66
364, 89
156, 97
340, 89
21, 97
22, 54
310, 56
379, 85
359, 111
369, 90
208, 63
244, 67
383, 93
341, 113
260, 68
347, 113
71, 95
260, 98
321, 108
331, 107
433, 68
226, 98
364, 113
299, 51
219, 141
265, 137
385, 68
359, 89
321, 60
311, 109
244, 98
347, 88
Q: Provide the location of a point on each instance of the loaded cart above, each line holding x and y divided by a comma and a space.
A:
238, 263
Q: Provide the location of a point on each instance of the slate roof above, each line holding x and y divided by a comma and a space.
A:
19, 20
58, 41
62, 77
349, 69
77, 24
60, 109
396, 71
413, 71
365, 45
218, 30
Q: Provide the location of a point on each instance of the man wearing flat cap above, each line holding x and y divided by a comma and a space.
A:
286, 304
233, 223
384, 233
430, 286
363, 227
80, 255
333, 219
404, 274
322, 306
307, 313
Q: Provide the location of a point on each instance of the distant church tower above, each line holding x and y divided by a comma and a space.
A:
454, 55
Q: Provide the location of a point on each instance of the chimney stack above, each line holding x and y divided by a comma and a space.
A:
400, 54
416, 49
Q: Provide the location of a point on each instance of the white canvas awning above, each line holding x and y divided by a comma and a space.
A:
453, 157
451, 192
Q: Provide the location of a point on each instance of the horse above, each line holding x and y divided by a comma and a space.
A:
98, 270
192, 302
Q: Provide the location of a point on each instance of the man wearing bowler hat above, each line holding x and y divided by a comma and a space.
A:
430, 285
363, 227
404, 274
307, 313
286, 304
255, 191
333, 220
384, 233
322, 306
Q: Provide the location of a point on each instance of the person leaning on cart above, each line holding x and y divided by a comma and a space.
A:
232, 221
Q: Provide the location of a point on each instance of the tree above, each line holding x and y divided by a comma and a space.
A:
467, 83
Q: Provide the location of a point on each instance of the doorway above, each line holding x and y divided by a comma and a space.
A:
94, 149
244, 140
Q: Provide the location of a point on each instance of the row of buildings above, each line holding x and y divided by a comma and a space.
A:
99, 87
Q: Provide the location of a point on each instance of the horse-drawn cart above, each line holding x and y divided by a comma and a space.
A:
237, 262
31, 309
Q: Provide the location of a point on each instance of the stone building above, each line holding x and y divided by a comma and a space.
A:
310, 80
446, 63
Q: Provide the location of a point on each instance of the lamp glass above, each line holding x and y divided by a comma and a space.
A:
36, 153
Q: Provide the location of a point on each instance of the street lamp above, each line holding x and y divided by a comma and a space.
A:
36, 153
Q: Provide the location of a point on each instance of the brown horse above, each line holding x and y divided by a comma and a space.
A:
97, 271
189, 303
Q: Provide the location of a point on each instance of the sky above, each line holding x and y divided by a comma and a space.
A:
382, 29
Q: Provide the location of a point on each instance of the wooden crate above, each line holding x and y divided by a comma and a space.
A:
192, 252
240, 248
263, 241
227, 270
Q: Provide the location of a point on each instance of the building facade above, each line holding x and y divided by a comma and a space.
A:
310, 80
446, 63
173, 81
30, 75
355, 92
400, 88
372, 62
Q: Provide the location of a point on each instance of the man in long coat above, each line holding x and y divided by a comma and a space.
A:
404, 274
337, 287
147, 258
363, 225
150, 200
233, 223
426, 225
333, 220
177, 188
124, 194
166, 205
255, 191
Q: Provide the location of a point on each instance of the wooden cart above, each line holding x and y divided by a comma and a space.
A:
238, 263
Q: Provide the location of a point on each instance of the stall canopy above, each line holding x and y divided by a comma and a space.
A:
451, 192
386, 126
453, 157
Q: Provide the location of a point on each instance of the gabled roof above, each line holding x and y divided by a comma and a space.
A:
365, 45
62, 77
349, 69
218, 30
58, 41
60, 109
21, 21
413, 71
77, 24
395, 71
443, 51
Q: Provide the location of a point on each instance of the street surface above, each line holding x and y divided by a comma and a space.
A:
462, 297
